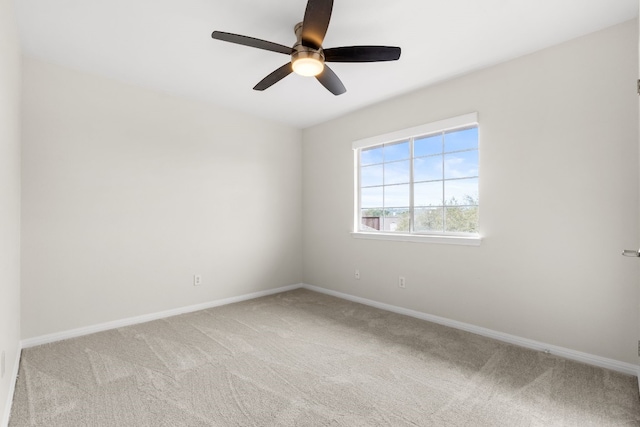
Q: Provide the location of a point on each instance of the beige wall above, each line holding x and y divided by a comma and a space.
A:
9, 198
127, 193
558, 194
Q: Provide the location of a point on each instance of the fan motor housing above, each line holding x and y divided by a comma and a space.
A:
300, 52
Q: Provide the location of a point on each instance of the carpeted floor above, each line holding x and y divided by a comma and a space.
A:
305, 359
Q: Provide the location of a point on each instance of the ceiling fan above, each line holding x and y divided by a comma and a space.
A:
307, 54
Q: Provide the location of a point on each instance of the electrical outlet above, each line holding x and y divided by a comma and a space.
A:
401, 282
2, 362
197, 280
357, 274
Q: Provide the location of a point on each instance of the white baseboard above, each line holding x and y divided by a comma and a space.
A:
590, 359
12, 388
73, 333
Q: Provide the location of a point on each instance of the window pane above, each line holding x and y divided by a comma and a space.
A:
370, 219
461, 140
427, 146
461, 192
398, 151
428, 219
371, 155
371, 175
426, 184
396, 195
397, 173
462, 219
427, 168
461, 165
371, 197
427, 194
396, 220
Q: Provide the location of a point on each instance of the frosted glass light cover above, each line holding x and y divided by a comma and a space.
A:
307, 67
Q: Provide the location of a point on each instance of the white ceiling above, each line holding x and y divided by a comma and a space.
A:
166, 44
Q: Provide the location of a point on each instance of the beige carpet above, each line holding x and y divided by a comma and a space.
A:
305, 359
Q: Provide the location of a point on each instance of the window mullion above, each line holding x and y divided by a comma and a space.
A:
384, 190
411, 200
359, 186
444, 203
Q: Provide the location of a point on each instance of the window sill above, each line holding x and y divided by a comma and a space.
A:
447, 240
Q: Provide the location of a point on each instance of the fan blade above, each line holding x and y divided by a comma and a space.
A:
274, 77
251, 42
330, 80
362, 54
315, 22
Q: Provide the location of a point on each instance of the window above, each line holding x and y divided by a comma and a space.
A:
421, 181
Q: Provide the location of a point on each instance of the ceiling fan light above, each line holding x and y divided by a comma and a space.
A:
307, 62
308, 66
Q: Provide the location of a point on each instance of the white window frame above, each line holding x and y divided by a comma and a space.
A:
445, 125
